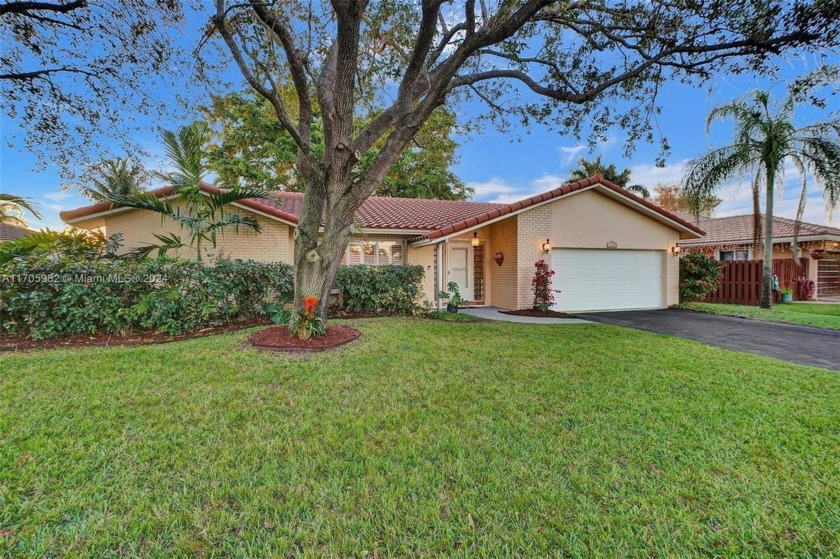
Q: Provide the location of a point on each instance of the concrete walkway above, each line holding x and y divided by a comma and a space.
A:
492, 313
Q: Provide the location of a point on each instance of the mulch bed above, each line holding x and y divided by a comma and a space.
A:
15, 343
278, 338
538, 313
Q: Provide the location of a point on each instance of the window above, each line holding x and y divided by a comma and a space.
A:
734, 255
374, 254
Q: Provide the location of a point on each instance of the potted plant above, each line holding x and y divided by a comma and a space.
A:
787, 295
452, 295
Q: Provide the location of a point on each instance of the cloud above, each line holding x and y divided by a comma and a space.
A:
499, 191
570, 153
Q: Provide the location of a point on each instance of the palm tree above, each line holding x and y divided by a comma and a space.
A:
765, 138
201, 214
113, 177
588, 168
12, 207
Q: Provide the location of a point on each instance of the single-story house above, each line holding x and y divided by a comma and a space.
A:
9, 232
731, 238
609, 248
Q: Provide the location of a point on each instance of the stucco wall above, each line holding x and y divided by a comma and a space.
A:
591, 220
270, 245
424, 256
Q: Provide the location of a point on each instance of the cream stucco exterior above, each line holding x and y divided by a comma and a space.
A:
588, 219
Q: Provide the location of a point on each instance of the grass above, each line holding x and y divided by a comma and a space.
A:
424, 438
454, 317
804, 314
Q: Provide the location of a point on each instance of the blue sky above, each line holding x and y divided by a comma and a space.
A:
501, 167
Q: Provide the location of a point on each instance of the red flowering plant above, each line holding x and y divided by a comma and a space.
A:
309, 325
541, 286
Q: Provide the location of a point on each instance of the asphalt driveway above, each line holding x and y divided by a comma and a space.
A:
799, 344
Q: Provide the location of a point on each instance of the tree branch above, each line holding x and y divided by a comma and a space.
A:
23, 8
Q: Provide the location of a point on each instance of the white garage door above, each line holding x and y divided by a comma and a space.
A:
607, 280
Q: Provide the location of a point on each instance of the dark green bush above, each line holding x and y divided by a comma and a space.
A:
379, 289
47, 294
50, 297
699, 276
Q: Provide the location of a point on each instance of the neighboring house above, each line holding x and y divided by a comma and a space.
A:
9, 232
731, 238
610, 249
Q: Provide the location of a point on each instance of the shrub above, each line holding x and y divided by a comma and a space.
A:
379, 289
541, 286
49, 293
50, 297
699, 276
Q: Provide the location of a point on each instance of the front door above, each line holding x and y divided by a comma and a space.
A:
460, 268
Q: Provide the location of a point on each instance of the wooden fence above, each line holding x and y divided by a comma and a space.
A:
740, 283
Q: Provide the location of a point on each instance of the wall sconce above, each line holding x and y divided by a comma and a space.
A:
474, 241
546, 246
676, 249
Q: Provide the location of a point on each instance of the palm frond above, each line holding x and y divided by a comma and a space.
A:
640, 190
11, 201
705, 176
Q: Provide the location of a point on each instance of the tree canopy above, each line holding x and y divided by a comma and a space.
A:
587, 168
674, 199
250, 147
74, 70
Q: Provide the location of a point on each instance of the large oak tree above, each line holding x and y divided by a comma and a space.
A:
567, 64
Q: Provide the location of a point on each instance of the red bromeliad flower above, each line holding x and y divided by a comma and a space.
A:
309, 304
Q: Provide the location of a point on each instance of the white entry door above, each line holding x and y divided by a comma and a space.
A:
607, 280
460, 268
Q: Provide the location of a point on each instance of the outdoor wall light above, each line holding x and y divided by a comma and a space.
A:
546, 246
676, 249
474, 241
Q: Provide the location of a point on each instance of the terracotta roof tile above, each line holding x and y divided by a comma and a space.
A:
9, 232
435, 218
739, 229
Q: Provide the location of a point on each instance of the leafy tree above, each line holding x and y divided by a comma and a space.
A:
765, 137
588, 168
251, 147
673, 198
73, 68
392, 64
112, 177
12, 207
202, 215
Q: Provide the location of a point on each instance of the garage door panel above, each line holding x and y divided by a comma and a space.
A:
592, 280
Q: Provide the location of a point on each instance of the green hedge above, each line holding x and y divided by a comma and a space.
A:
47, 299
52, 297
379, 289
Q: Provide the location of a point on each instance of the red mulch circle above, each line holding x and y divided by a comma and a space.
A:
17, 343
538, 313
278, 338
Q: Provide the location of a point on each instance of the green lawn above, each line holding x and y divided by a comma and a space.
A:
805, 314
424, 438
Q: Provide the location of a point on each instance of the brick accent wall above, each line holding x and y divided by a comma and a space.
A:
533, 228
671, 282
503, 279
270, 245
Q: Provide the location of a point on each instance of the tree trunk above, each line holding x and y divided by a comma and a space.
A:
318, 253
767, 291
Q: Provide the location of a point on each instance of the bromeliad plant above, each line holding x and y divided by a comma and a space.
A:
307, 325
541, 286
